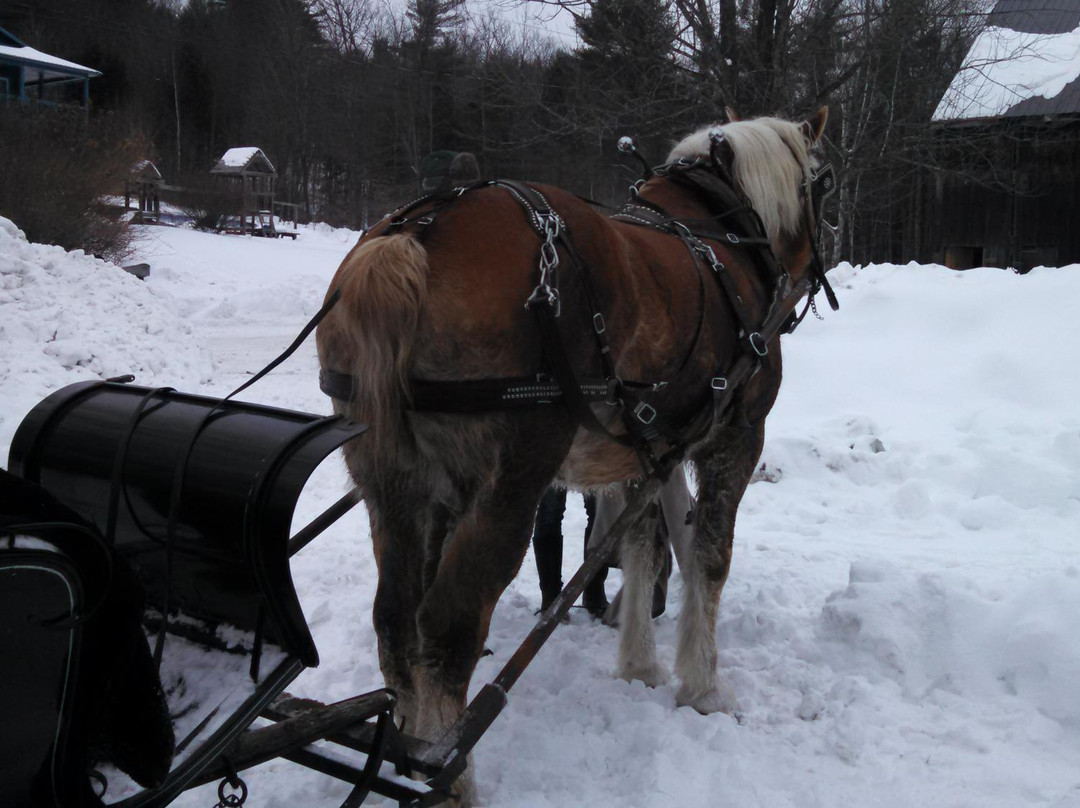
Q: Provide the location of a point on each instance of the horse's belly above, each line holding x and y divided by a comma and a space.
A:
594, 461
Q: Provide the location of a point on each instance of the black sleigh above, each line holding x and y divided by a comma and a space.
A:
149, 625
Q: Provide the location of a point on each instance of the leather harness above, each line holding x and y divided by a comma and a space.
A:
737, 225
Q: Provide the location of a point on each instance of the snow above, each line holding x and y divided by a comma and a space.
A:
1005, 67
69, 317
239, 156
45, 60
902, 621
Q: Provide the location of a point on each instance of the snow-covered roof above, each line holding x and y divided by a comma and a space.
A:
13, 49
240, 158
145, 169
1026, 61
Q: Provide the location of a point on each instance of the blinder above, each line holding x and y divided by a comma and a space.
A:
822, 184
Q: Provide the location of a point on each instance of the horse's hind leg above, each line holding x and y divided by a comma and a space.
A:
478, 562
402, 538
724, 467
642, 556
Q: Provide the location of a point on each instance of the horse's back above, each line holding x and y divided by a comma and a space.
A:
662, 317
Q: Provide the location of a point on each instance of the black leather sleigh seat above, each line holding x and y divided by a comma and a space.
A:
76, 680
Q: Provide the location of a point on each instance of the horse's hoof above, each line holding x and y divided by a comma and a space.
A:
651, 675
716, 699
597, 608
462, 791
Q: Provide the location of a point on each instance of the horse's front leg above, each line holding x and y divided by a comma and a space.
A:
642, 554
724, 467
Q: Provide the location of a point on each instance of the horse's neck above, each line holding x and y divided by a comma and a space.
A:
747, 264
677, 201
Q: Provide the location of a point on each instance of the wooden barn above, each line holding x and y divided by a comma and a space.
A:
1007, 189
29, 75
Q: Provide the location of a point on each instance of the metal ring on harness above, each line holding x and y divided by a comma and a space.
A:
757, 342
645, 413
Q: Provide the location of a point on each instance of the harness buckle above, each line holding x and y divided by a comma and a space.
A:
645, 413
659, 386
598, 323
710, 255
718, 383
757, 342
732, 238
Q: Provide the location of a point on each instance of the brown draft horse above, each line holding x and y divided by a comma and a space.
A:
452, 495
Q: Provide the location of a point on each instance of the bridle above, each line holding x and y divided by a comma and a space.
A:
819, 185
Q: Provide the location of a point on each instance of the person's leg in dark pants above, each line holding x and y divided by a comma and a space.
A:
548, 544
595, 599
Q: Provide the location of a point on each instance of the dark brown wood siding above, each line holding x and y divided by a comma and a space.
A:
1014, 202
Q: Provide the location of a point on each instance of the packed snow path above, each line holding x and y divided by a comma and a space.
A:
902, 620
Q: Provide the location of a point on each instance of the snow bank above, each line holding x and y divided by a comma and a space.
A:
952, 392
67, 317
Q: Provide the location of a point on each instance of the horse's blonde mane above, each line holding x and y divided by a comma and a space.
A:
771, 161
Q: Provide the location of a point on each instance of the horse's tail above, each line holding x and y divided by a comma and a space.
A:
370, 333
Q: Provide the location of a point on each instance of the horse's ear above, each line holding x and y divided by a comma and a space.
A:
815, 126
731, 114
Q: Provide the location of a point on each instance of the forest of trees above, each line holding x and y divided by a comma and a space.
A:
347, 96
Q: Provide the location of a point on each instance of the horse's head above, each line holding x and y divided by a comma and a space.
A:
778, 166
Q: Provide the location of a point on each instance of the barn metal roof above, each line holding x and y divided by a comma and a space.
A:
1039, 17
1014, 83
